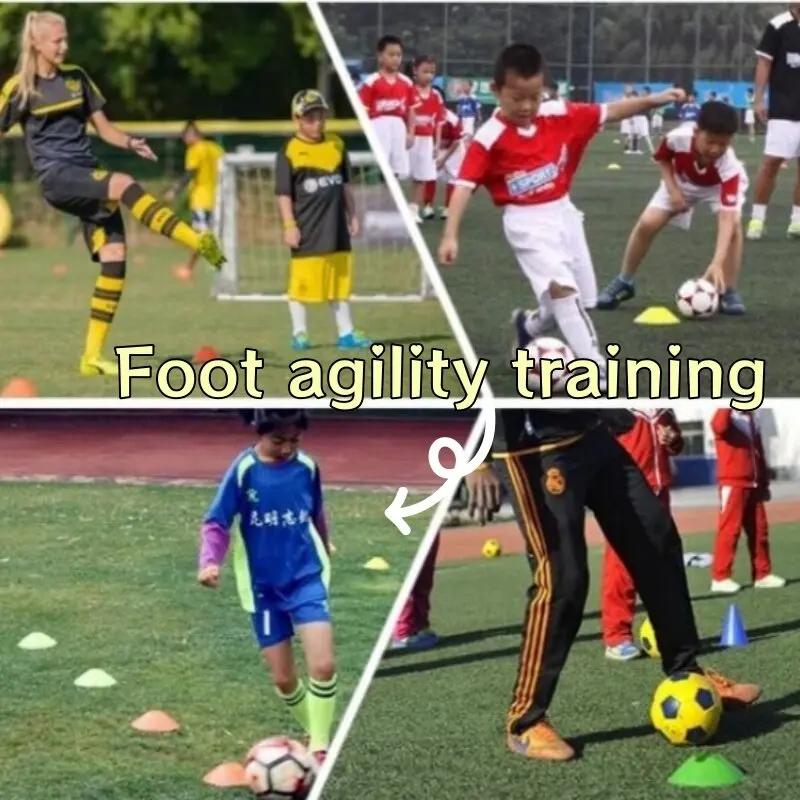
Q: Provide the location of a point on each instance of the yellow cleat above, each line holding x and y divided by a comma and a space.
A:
755, 230
98, 365
793, 231
209, 248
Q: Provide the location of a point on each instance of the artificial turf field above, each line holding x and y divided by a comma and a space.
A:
44, 320
486, 284
432, 723
109, 572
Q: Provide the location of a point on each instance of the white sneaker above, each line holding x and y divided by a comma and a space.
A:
770, 582
728, 586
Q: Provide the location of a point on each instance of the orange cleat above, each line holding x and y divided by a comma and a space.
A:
542, 742
733, 695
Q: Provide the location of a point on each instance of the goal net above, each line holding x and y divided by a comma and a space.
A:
386, 265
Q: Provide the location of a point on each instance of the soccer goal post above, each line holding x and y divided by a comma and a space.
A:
386, 265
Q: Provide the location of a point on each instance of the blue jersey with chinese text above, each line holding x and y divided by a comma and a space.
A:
689, 112
468, 106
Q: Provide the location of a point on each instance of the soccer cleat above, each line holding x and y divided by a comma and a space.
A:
732, 694
422, 640
793, 231
355, 340
624, 651
726, 586
443, 213
300, 342
770, 581
209, 248
618, 291
731, 303
97, 365
542, 742
428, 212
755, 230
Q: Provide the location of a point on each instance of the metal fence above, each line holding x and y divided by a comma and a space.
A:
583, 43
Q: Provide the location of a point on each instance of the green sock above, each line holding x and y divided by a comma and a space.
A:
321, 708
297, 703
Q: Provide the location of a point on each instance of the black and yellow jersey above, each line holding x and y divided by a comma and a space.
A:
54, 117
314, 175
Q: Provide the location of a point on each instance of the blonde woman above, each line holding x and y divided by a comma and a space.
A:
53, 102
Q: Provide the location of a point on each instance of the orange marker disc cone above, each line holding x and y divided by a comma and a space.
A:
59, 270
19, 387
229, 775
155, 722
182, 272
205, 353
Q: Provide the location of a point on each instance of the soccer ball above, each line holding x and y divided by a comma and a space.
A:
491, 548
686, 709
548, 347
647, 638
697, 299
280, 769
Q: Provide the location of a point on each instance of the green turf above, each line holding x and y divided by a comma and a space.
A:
44, 322
432, 724
486, 284
108, 571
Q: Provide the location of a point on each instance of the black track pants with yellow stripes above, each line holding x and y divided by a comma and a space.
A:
551, 487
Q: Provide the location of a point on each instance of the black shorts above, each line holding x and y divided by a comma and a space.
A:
83, 193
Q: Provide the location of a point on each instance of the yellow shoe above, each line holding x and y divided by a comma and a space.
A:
210, 249
97, 365
541, 742
755, 230
793, 231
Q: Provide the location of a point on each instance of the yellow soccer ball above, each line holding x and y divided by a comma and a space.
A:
686, 709
647, 638
491, 548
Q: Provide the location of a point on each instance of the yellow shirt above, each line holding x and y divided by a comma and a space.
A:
202, 158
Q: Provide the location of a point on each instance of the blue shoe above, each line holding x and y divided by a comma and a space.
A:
424, 640
731, 303
300, 342
618, 291
626, 651
355, 340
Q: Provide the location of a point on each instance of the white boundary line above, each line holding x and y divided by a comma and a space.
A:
396, 191
374, 661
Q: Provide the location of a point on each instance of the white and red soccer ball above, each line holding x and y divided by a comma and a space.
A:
279, 768
549, 348
697, 299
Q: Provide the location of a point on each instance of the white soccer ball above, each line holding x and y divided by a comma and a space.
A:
697, 299
548, 348
279, 768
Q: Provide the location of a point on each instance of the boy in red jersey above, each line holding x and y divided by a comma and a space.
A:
451, 154
743, 479
527, 161
388, 97
654, 438
428, 115
698, 165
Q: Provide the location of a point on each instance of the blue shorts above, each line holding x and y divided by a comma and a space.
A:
202, 220
279, 611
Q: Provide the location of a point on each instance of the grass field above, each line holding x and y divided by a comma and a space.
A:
44, 320
486, 284
432, 723
108, 571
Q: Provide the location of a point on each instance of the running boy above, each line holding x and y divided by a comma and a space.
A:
698, 165
388, 97
318, 213
653, 439
527, 161
743, 480
281, 563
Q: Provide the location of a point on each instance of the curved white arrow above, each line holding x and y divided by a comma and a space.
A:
396, 512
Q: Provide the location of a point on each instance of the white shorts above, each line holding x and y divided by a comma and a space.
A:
468, 125
783, 139
626, 127
657, 123
421, 159
582, 266
451, 167
641, 125
392, 133
542, 238
694, 195
749, 117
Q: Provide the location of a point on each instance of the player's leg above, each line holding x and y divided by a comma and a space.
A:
202, 223
429, 200
416, 157
547, 492
732, 504
793, 231
779, 145
731, 301
338, 287
306, 285
625, 129
617, 608
756, 529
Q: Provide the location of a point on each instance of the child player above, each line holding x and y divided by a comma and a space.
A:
654, 438
750, 115
428, 116
698, 165
450, 156
468, 108
527, 162
280, 562
388, 96
318, 213
743, 479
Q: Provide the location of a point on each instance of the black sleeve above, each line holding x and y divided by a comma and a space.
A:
10, 111
769, 44
347, 169
283, 174
618, 421
94, 97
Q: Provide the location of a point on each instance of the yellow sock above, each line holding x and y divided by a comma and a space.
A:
321, 710
105, 300
158, 218
297, 703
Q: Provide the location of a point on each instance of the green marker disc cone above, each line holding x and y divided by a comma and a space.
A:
706, 771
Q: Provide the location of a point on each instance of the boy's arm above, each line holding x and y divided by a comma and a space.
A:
677, 444
215, 531
471, 174
721, 421
628, 107
283, 190
318, 516
766, 51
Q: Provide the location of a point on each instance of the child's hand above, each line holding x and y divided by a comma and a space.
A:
666, 435
715, 275
353, 225
291, 237
678, 200
448, 250
209, 576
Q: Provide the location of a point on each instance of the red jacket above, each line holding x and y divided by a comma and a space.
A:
652, 457
740, 449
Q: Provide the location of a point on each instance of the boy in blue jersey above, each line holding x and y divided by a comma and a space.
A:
690, 110
468, 109
281, 563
